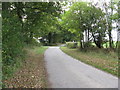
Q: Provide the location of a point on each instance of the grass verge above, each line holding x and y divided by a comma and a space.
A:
32, 74
98, 59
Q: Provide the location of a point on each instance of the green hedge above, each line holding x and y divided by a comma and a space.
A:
12, 43
71, 44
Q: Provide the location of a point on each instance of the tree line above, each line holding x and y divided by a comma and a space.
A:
91, 23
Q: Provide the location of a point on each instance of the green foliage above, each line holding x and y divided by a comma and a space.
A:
12, 43
87, 45
115, 16
20, 23
83, 17
41, 19
71, 44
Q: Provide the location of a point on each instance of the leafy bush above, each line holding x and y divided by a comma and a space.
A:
87, 44
12, 43
71, 44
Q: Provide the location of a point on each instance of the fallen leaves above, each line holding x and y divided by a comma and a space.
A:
31, 75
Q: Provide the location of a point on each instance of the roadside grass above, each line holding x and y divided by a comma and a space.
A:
40, 50
102, 60
32, 74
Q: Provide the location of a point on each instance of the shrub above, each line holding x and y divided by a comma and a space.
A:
71, 44
12, 43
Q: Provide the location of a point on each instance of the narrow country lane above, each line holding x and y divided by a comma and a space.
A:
67, 72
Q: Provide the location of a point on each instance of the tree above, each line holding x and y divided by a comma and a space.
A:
74, 19
12, 42
82, 17
38, 13
21, 21
119, 30
110, 18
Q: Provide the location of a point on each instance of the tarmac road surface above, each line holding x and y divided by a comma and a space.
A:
67, 72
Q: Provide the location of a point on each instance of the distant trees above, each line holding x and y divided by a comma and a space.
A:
92, 23
85, 18
110, 18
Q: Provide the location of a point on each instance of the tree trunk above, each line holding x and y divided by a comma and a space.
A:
110, 26
81, 45
31, 37
119, 31
98, 41
88, 34
110, 37
49, 38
